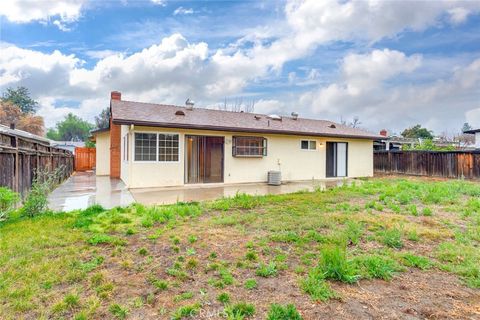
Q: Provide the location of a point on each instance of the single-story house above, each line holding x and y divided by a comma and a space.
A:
67, 145
156, 145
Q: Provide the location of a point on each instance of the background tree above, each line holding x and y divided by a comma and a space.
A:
10, 113
466, 126
21, 98
72, 128
103, 119
417, 132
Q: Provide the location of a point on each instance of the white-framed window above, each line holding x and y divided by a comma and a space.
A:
145, 146
244, 146
308, 145
162, 147
168, 147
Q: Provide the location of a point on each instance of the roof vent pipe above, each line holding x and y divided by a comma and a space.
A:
294, 115
189, 104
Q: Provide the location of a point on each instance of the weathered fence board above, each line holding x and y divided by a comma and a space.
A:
21, 158
447, 164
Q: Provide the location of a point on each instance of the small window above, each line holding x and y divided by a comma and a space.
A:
249, 147
145, 146
309, 145
167, 147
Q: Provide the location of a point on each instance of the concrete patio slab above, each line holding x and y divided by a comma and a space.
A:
84, 189
201, 192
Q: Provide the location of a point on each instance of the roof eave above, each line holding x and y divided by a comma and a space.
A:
230, 129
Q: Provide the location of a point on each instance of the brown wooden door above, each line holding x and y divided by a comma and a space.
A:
84, 159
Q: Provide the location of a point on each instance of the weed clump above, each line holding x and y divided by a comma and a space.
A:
334, 265
286, 312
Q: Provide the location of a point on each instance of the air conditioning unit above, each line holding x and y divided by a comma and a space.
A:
274, 178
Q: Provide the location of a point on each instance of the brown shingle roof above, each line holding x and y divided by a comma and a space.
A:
148, 114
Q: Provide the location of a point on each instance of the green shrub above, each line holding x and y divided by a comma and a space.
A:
354, 231
267, 270
375, 266
251, 255
8, 200
250, 284
316, 287
427, 211
287, 312
334, 265
183, 296
37, 200
420, 262
186, 311
118, 311
224, 298
239, 311
392, 238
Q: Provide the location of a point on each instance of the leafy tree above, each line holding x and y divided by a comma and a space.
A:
466, 127
21, 98
428, 145
10, 113
72, 128
417, 132
103, 119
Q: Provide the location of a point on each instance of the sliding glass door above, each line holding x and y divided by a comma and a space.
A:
204, 159
337, 159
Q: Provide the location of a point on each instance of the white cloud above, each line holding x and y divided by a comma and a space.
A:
182, 11
159, 2
175, 69
364, 90
458, 15
59, 12
101, 54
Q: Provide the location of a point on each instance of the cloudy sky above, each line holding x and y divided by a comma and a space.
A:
390, 63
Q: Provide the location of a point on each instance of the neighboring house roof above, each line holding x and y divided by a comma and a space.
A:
148, 114
99, 130
23, 134
472, 131
67, 143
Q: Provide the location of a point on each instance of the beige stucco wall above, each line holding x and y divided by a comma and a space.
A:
124, 161
284, 154
102, 153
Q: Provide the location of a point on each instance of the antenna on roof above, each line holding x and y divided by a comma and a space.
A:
189, 103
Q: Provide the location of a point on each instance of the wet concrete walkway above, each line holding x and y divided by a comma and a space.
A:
84, 189
150, 196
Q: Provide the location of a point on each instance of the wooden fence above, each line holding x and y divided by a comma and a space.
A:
21, 158
84, 158
447, 164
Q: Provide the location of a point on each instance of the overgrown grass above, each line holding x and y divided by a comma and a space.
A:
81, 264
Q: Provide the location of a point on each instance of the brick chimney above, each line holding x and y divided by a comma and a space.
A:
384, 132
115, 95
115, 132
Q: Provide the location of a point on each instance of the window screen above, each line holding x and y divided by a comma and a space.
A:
145, 146
167, 147
249, 147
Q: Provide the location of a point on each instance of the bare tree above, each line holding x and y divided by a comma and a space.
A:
355, 122
237, 105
